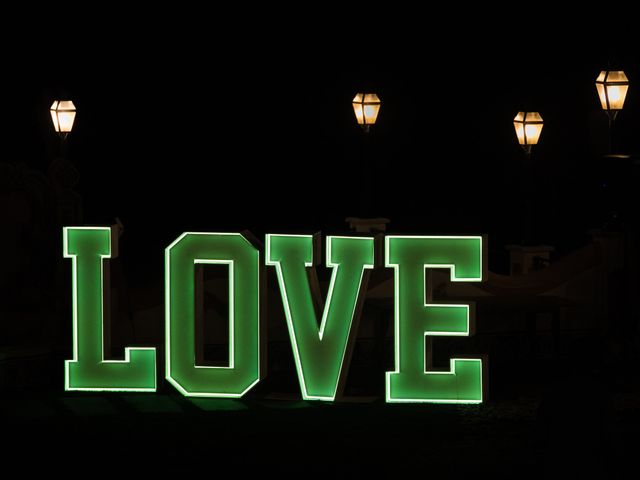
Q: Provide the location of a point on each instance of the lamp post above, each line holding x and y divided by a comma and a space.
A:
528, 127
612, 87
366, 107
62, 173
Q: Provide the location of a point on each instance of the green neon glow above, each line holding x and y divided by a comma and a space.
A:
320, 351
89, 370
415, 318
243, 261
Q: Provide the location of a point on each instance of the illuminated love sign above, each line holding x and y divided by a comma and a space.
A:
319, 351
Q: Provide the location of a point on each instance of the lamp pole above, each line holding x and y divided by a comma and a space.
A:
612, 121
63, 147
528, 194
368, 172
63, 174
366, 107
528, 127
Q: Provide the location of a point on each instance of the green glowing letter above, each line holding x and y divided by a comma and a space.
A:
88, 247
415, 319
243, 261
320, 350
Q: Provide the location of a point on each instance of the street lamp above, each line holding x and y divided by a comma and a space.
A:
63, 113
612, 86
366, 106
528, 127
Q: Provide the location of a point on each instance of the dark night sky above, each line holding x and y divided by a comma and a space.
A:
198, 125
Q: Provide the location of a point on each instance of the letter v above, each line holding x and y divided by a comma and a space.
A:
320, 350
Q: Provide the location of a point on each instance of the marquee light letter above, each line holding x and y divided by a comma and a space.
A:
88, 247
243, 262
415, 318
321, 349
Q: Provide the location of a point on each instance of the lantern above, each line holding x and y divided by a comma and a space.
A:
63, 113
528, 127
612, 86
366, 106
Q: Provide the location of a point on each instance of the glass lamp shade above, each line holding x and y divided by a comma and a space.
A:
63, 113
528, 127
366, 107
612, 86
